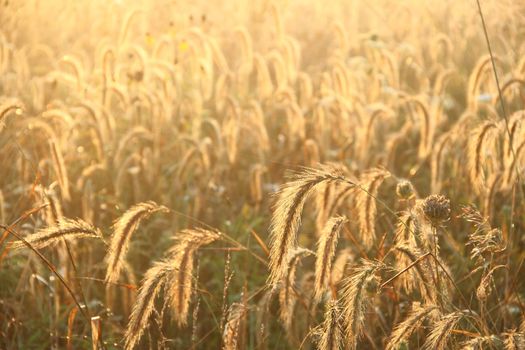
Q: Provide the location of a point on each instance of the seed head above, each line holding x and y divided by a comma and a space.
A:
404, 189
436, 208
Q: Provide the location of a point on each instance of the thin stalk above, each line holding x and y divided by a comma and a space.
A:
50, 266
504, 111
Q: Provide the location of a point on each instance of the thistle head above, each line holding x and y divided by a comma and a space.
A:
436, 208
404, 189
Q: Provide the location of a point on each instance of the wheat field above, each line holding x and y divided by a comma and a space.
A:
296, 174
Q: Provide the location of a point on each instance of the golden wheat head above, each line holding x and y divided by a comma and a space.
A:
332, 330
151, 285
287, 214
325, 253
411, 323
64, 229
123, 229
355, 299
179, 286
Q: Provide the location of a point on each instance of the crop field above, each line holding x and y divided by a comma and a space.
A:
266, 174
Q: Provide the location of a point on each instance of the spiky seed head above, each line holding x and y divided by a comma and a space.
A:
436, 208
404, 189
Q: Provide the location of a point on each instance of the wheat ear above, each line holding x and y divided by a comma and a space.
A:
366, 203
482, 342
481, 140
153, 281
123, 229
411, 323
65, 228
325, 253
60, 169
287, 293
355, 300
332, 329
441, 331
339, 266
8, 107
515, 340
287, 214
230, 337
180, 281
53, 212
407, 255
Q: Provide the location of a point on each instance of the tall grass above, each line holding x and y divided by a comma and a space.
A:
250, 175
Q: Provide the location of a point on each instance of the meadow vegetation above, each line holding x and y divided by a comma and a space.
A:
262, 174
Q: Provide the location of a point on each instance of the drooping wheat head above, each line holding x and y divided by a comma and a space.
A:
123, 229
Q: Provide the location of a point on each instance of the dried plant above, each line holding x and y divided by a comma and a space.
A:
287, 214
436, 209
325, 253
514, 340
288, 292
332, 331
355, 298
485, 240
411, 324
391, 115
64, 229
181, 280
482, 342
232, 327
123, 229
151, 286
441, 330
485, 286
419, 278
366, 203
404, 189
173, 276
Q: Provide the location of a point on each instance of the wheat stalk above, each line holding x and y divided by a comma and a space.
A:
287, 293
332, 330
325, 253
366, 203
339, 266
2, 207
263, 317
60, 169
478, 145
287, 214
422, 280
355, 300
